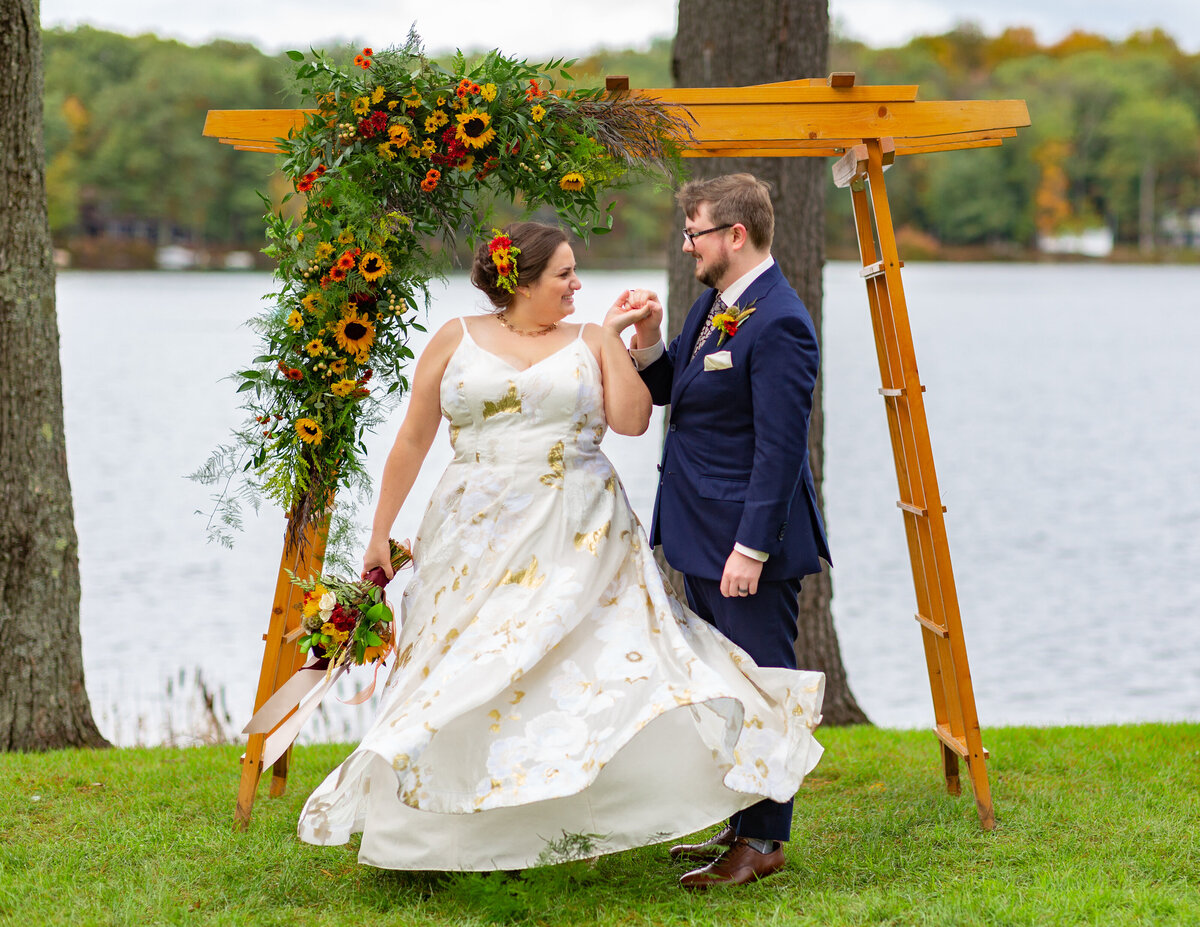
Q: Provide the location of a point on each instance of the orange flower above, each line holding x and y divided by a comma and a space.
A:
429, 184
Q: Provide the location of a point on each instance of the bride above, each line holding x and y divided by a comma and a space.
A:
549, 700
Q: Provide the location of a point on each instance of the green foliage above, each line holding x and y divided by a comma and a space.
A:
1095, 826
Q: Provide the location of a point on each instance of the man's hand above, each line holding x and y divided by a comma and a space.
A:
741, 575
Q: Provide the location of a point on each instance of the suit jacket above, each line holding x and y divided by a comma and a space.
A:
735, 460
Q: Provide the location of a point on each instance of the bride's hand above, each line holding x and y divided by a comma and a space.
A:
378, 554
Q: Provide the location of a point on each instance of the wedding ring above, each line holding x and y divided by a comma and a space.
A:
742, 591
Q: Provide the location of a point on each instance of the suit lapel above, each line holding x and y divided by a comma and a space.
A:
687, 340
756, 290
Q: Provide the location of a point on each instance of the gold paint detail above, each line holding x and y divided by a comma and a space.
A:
557, 469
590, 540
527, 577
508, 403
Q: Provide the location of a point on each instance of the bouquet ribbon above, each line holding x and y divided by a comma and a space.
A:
315, 674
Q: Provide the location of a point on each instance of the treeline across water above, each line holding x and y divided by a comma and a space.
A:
1114, 145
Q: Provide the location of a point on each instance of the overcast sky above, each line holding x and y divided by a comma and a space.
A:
573, 26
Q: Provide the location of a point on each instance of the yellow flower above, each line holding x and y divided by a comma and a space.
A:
488, 92
436, 120
361, 106
399, 134
572, 181
330, 629
312, 600
538, 113
413, 151
413, 98
295, 320
468, 163
441, 101
344, 388
474, 128
392, 104
372, 266
429, 146
386, 151
346, 237
354, 333
311, 302
315, 348
310, 432
378, 94
338, 366
324, 251
300, 236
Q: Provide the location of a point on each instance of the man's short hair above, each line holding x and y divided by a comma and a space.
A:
733, 198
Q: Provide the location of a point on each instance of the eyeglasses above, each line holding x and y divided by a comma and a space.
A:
691, 237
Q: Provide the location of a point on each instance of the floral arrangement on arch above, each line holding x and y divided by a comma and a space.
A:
398, 158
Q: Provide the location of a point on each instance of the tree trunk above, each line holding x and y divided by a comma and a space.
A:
1146, 183
721, 43
43, 703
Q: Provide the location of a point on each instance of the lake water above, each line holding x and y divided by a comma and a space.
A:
1064, 408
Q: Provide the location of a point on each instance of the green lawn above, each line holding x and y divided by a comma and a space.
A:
1095, 826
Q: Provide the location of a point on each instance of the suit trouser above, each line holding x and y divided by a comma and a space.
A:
763, 625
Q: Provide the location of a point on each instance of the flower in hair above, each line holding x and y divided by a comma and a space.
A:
504, 256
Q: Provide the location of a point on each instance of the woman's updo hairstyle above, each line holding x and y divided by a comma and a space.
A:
537, 243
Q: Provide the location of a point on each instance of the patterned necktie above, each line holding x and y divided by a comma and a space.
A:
717, 308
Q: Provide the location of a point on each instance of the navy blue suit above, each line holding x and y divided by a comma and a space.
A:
735, 470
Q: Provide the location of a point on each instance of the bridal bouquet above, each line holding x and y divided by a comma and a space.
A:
348, 621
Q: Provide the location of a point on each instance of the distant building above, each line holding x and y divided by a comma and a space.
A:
1182, 231
1090, 243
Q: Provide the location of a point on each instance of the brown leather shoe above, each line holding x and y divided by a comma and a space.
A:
738, 865
707, 851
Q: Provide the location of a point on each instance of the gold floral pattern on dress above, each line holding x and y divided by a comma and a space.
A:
590, 540
527, 577
510, 403
558, 470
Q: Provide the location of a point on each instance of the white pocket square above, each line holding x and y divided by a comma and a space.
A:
718, 360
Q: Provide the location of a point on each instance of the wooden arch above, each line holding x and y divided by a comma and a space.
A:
867, 128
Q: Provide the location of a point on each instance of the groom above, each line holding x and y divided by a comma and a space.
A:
736, 510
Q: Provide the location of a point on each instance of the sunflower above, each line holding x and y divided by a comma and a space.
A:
361, 106
324, 251
572, 181
392, 104
538, 113
315, 348
413, 151
372, 266
386, 151
399, 134
346, 237
378, 94
474, 129
429, 146
311, 302
295, 320
354, 333
338, 366
309, 430
436, 120
344, 387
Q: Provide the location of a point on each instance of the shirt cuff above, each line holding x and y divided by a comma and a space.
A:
644, 357
751, 552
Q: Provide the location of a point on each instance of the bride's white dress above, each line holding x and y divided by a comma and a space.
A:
550, 700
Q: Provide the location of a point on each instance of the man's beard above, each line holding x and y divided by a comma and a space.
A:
713, 271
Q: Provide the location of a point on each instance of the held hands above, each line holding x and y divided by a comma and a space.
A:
741, 573
640, 308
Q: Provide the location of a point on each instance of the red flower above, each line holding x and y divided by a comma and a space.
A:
337, 274
368, 52
294, 374
731, 329
499, 243
320, 168
346, 261
305, 183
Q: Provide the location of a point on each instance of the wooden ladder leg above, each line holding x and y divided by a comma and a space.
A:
950, 768
281, 659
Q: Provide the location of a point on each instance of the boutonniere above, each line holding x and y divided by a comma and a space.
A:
727, 322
